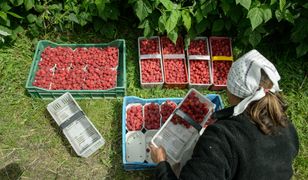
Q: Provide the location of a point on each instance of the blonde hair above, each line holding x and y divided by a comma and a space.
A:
269, 112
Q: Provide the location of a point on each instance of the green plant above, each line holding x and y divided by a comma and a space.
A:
68, 15
61, 15
246, 20
9, 20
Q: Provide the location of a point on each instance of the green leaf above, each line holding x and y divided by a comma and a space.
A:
5, 29
235, 14
300, 31
7, 22
39, 8
98, 25
147, 29
72, 17
218, 25
282, 4
31, 18
39, 22
16, 2
112, 11
225, 7
15, 15
156, 3
172, 20
18, 30
4, 33
278, 15
186, 19
131, 1
55, 7
245, 3
192, 33
167, 4
84, 18
302, 49
209, 7
142, 10
162, 21
34, 30
254, 38
4, 6
3, 15
109, 30
267, 14
202, 26
256, 17
305, 6
228, 24
273, 2
100, 5
261, 30
173, 35
29, 4
288, 16
199, 15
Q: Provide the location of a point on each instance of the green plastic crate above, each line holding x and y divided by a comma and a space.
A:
118, 91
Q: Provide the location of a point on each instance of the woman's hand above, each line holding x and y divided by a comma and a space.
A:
158, 154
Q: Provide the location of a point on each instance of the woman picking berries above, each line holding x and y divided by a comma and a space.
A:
252, 139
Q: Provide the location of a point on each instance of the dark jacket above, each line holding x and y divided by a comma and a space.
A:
234, 148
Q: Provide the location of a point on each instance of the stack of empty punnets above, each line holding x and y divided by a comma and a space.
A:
150, 62
174, 61
199, 64
76, 126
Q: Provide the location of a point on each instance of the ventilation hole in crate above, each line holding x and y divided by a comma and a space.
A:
143, 130
63, 116
56, 107
65, 100
90, 131
80, 139
96, 139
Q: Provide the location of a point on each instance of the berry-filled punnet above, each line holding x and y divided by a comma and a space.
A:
175, 71
168, 47
134, 117
151, 70
149, 46
220, 72
166, 109
151, 116
221, 46
198, 47
199, 71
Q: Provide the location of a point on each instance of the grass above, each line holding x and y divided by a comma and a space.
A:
33, 147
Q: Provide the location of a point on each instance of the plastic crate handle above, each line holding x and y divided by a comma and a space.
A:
188, 119
71, 119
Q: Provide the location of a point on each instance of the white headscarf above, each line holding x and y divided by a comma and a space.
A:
244, 79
